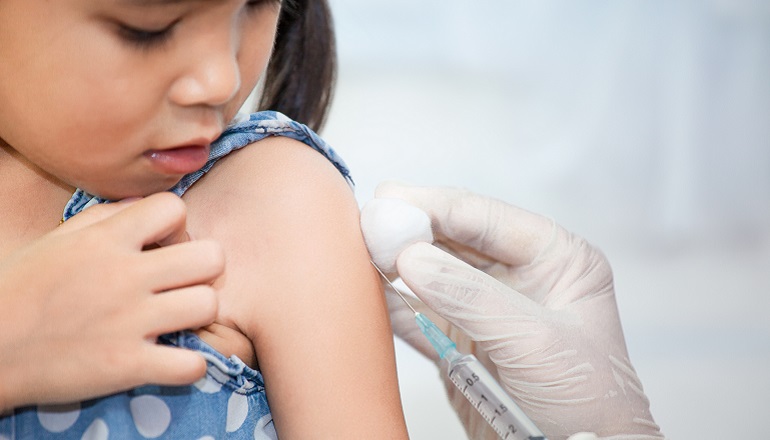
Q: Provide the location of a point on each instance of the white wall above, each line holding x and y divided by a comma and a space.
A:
642, 125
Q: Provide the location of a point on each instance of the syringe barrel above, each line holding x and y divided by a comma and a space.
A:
488, 397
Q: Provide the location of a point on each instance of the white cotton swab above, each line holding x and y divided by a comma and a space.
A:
390, 226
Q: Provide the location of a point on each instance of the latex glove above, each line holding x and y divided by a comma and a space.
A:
534, 302
81, 306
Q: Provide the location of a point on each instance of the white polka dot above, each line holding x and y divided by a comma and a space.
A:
97, 431
265, 429
151, 415
237, 410
208, 385
58, 418
2, 437
207, 437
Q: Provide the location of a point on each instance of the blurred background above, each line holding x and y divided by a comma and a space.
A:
642, 125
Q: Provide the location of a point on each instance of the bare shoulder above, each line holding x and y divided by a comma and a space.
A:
297, 280
271, 173
267, 204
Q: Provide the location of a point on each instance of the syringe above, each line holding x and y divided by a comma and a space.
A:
476, 383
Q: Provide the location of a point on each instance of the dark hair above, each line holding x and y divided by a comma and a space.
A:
299, 81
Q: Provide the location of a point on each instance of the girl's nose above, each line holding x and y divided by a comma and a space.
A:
212, 78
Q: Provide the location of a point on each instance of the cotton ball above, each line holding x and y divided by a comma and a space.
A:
389, 227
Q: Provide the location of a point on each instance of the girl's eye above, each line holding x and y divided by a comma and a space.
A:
146, 38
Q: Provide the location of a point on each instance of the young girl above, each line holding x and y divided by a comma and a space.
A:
104, 100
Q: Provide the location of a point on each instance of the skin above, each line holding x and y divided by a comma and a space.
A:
323, 355
292, 248
53, 321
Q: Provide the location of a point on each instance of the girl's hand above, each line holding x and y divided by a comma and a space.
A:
82, 306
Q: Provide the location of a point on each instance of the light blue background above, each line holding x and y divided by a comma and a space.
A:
642, 125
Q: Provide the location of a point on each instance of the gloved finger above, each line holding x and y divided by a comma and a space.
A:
467, 254
475, 302
504, 232
583, 436
405, 327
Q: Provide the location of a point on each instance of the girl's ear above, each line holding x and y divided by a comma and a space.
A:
299, 81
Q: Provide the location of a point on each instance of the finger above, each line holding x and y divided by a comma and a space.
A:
165, 365
495, 228
466, 297
183, 265
159, 218
94, 214
181, 309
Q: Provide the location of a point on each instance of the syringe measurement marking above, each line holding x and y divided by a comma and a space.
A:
511, 429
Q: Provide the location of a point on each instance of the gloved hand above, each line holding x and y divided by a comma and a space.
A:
532, 301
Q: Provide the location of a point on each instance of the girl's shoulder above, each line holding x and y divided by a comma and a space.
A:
266, 164
272, 206
298, 277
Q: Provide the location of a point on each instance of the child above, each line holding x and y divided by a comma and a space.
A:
124, 99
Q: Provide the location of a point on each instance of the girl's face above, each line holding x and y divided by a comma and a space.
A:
122, 97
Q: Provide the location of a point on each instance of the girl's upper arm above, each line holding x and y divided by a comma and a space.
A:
298, 282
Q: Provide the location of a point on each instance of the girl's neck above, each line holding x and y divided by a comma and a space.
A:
31, 200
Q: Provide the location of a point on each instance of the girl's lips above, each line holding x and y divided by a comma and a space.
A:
179, 160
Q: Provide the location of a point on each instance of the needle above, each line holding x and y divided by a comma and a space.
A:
394, 287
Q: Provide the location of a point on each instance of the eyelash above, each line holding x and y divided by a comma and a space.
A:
145, 39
